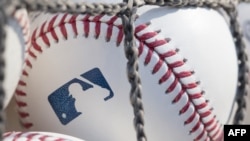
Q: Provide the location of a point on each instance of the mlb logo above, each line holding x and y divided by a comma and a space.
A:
63, 102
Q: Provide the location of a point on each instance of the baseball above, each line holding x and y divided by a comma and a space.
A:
37, 136
74, 78
17, 31
244, 19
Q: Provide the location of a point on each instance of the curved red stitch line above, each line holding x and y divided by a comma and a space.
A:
44, 36
62, 26
147, 35
22, 83
24, 27
172, 86
176, 64
72, 21
28, 41
200, 136
110, 28
166, 76
21, 104
157, 43
196, 127
201, 106
157, 66
51, 29
196, 96
216, 133
17, 136
120, 35
140, 49
205, 114
27, 125
167, 54
140, 28
43, 138
31, 53
190, 119
31, 136
97, 22
27, 62
186, 86
213, 127
86, 25
23, 114
7, 134
184, 74
209, 123
25, 73
59, 140
148, 57
184, 108
20, 93
35, 45
178, 97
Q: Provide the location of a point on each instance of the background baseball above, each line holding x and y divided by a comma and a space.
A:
37, 136
17, 31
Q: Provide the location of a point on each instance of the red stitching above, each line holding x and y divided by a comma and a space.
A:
6, 134
23, 114
21, 103
210, 127
51, 29
73, 23
62, 26
34, 44
25, 73
22, 83
190, 119
96, 20
30, 136
24, 26
43, 138
86, 25
20, 93
27, 125
44, 36
18, 135
157, 66
110, 28
185, 86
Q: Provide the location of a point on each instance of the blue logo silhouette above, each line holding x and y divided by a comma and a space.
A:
63, 103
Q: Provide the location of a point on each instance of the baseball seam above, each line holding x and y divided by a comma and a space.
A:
202, 122
29, 136
22, 18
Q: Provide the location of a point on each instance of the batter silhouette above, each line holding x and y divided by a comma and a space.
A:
64, 100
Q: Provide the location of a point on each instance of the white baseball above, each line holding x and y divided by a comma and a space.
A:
17, 31
37, 136
74, 80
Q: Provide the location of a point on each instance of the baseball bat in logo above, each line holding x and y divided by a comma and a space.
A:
62, 101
